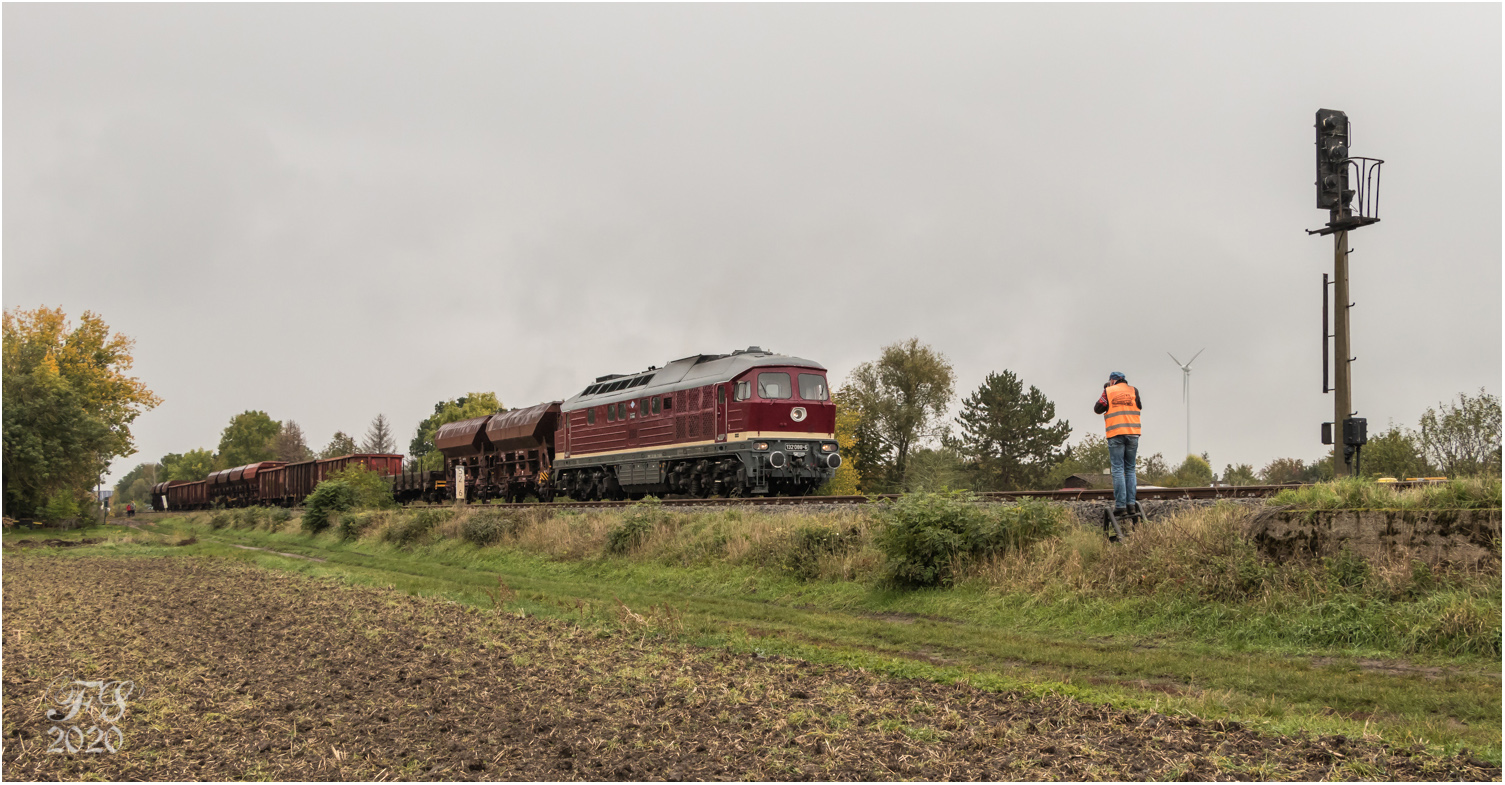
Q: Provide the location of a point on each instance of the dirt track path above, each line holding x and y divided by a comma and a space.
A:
252, 674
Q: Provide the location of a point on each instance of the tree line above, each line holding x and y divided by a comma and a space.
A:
69, 402
892, 427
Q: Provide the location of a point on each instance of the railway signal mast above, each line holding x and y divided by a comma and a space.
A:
1348, 187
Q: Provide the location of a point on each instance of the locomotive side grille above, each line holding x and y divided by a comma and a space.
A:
707, 427
694, 427
679, 428
707, 396
694, 400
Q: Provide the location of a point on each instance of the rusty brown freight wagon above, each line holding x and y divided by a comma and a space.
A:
522, 451
187, 496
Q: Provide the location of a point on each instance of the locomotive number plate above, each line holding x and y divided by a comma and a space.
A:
798, 447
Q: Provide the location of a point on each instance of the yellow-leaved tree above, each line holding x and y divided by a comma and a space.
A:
68, 404
848, 420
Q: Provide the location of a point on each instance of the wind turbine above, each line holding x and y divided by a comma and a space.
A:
1186, 390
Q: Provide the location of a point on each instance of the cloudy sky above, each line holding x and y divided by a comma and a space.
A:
330, 211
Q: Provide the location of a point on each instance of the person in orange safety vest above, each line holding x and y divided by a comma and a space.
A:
1120, 405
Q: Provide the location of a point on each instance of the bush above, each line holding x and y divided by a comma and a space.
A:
60, 507
332, 496
219, 519
641, 519
808, 545
488, 527
372, 492
926, 537
411, 530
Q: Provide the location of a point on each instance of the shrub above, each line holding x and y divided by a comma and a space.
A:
330, 497
413, 528
372, 492
488, 527
808, 544
351, 525
219, 519
61, 506
641, 519
926, 537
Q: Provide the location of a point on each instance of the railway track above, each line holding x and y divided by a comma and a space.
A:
1072, 495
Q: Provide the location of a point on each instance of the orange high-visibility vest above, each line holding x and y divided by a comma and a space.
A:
1122, 417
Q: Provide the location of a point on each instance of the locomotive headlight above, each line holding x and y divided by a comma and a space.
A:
828, 447
760, 446
797, 414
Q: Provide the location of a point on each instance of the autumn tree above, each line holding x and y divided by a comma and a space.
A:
1194, 472
903, 397
68, 404
379, 437
339, 444
288, 444
248, 438
847, 480
1007, 435
1463, 437
1282, 471
465, 407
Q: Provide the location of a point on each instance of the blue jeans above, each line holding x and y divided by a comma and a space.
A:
1122, 450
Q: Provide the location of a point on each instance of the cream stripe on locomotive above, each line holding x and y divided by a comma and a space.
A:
731, 437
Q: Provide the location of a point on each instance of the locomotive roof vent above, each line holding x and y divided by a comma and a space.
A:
750, 350
608, 377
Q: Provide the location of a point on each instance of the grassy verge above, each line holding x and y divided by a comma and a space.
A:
1355, 493
1185, 623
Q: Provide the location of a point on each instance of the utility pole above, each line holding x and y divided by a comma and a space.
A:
1348, 208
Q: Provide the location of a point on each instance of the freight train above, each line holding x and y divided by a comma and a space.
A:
749, 423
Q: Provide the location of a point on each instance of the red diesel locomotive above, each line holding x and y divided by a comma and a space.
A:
746, 423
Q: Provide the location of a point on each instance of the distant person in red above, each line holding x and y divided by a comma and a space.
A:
130, 509
1120, 407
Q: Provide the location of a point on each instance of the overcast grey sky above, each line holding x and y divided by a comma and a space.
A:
329, 211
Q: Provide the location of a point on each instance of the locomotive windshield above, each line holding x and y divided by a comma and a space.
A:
774, 385
813, 387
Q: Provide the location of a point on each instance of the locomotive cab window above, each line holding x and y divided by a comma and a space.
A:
721, 395
774, 386
590, 416
813, 387
744, 390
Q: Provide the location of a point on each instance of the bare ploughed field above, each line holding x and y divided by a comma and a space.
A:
248, 674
